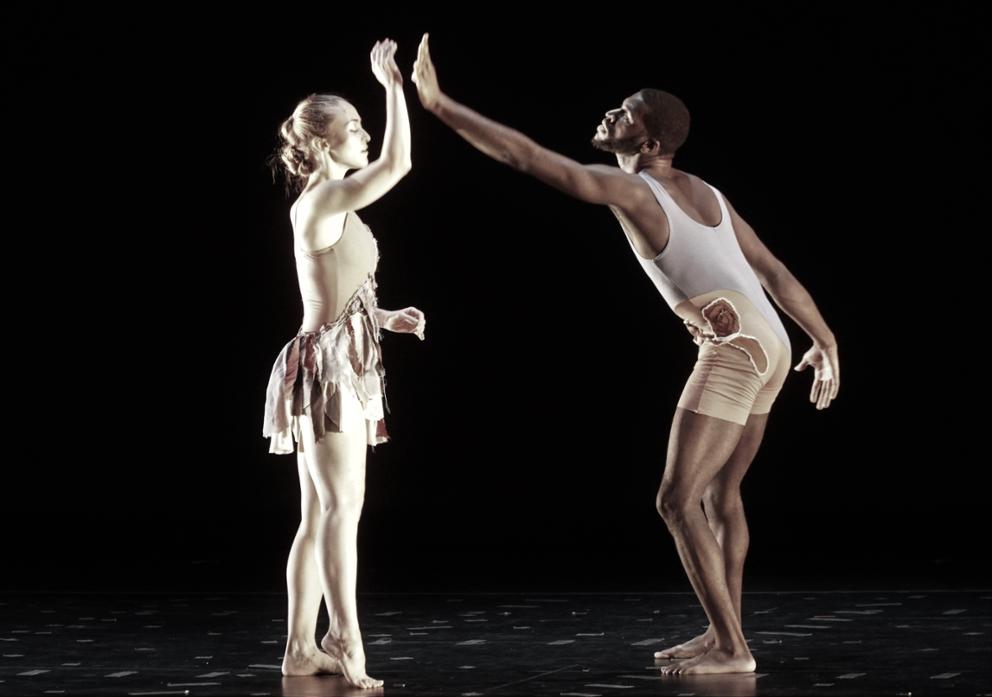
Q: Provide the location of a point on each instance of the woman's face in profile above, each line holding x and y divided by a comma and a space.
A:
350, 141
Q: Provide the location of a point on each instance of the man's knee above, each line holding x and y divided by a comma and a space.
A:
723, 503
673, 505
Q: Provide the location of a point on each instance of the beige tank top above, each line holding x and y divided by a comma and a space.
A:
699, 258
329, 277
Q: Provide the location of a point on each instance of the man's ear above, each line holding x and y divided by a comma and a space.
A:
650, 147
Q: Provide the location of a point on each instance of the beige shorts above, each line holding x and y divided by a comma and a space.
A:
742, 363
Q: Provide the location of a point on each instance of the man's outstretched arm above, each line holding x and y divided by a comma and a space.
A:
590, 183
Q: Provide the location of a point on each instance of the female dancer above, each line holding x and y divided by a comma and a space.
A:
327, 386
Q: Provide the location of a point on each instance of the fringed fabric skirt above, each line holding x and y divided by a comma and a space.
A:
317, 370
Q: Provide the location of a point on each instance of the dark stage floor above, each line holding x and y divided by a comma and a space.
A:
806, 643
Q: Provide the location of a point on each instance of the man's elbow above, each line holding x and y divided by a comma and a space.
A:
775, 275
517, 161
523, 158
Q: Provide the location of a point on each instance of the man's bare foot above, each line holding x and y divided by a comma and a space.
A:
713, 661
690, 649
350, 655
308, 661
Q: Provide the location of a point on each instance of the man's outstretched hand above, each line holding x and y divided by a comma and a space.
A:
425, 77
826, 374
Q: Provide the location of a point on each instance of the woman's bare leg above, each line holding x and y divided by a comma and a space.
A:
337, 469
303, 656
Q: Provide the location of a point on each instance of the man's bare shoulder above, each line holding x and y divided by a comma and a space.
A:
694, 179
701, 187
635, 192
611, 170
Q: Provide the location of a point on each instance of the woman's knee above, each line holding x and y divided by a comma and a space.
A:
343, 501
306, 533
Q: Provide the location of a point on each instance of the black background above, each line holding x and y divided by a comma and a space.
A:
150, 286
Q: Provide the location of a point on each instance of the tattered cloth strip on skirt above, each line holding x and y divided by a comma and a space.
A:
315, 369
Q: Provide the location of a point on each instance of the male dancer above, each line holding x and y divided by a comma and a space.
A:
710, 267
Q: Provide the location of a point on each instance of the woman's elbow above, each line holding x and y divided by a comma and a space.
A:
399, 167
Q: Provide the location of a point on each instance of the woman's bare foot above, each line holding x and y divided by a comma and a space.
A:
350, 655
307, 661
690, 649
713, 661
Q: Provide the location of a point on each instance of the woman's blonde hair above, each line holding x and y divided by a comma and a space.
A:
294, 155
